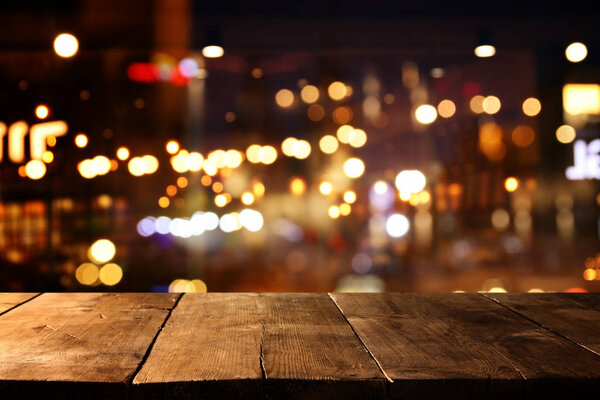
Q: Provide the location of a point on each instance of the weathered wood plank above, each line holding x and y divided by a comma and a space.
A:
573, 315
85, 345
310, 351
10, 300
459, 346
248, 345
209, 348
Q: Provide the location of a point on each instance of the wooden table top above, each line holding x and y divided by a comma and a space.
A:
299, 346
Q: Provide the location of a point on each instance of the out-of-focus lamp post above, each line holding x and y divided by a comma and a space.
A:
213, 47
484, 46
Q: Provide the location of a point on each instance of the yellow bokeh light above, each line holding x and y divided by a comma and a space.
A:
66, 45
101, 251
532, 107
589, 274
523, 136
297, 186
329, 144
233, 158
151, 164
337, 90
51, 141
380, 187
287, 146
259, 189
137, 166
35, 169
42, 111
485, 50
349, 196
301, 149
576, 52
206, 180
221, 200
491, 105
511, 184
268, 155
284, 98
179, 163
86, 169
358, 138
122, 153
171, 190
476, 104
81, 140
325, 188
210, 168
110, 274
253, 153
565, 134
581, 98
404, 195
426, 114
48, 157
217, 187
163, 202
333, 212
182, 182
309, 94
213, 51
345, 209
172, 147
446, 108
354, 167
247, 198
101, 165
86, 274
344, 133
194, 161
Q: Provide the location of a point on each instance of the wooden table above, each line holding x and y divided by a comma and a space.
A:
299, 346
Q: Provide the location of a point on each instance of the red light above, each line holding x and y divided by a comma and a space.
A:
143, 72
576, 290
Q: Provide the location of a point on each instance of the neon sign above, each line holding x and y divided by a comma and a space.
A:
586, 161
38, 133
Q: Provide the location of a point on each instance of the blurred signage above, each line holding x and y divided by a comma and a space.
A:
581, 98
586, 160
38, 134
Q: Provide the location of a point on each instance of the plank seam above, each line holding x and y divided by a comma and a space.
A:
540, 325
20, 304
360, 340
151, 346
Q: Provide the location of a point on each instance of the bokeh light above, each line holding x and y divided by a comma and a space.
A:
565, 134
35, 169
110, 274
122, 153
397, 225
446, 108
42, 111
337, 90
325, 188
329, 144
511, 184
349, 196
576, 52
172, 146
86, 274
485, 51
354, 167
491, 105
309, 94
66, 45
426, 114
284, 98
81, 140
410, 181
532, 107
102, 251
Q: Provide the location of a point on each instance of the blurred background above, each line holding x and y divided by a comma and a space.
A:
174, 145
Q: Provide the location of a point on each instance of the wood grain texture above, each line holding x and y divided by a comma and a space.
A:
249, 345
575, 316
10, 300
310, 351
77, 344
458, 346
209, 348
